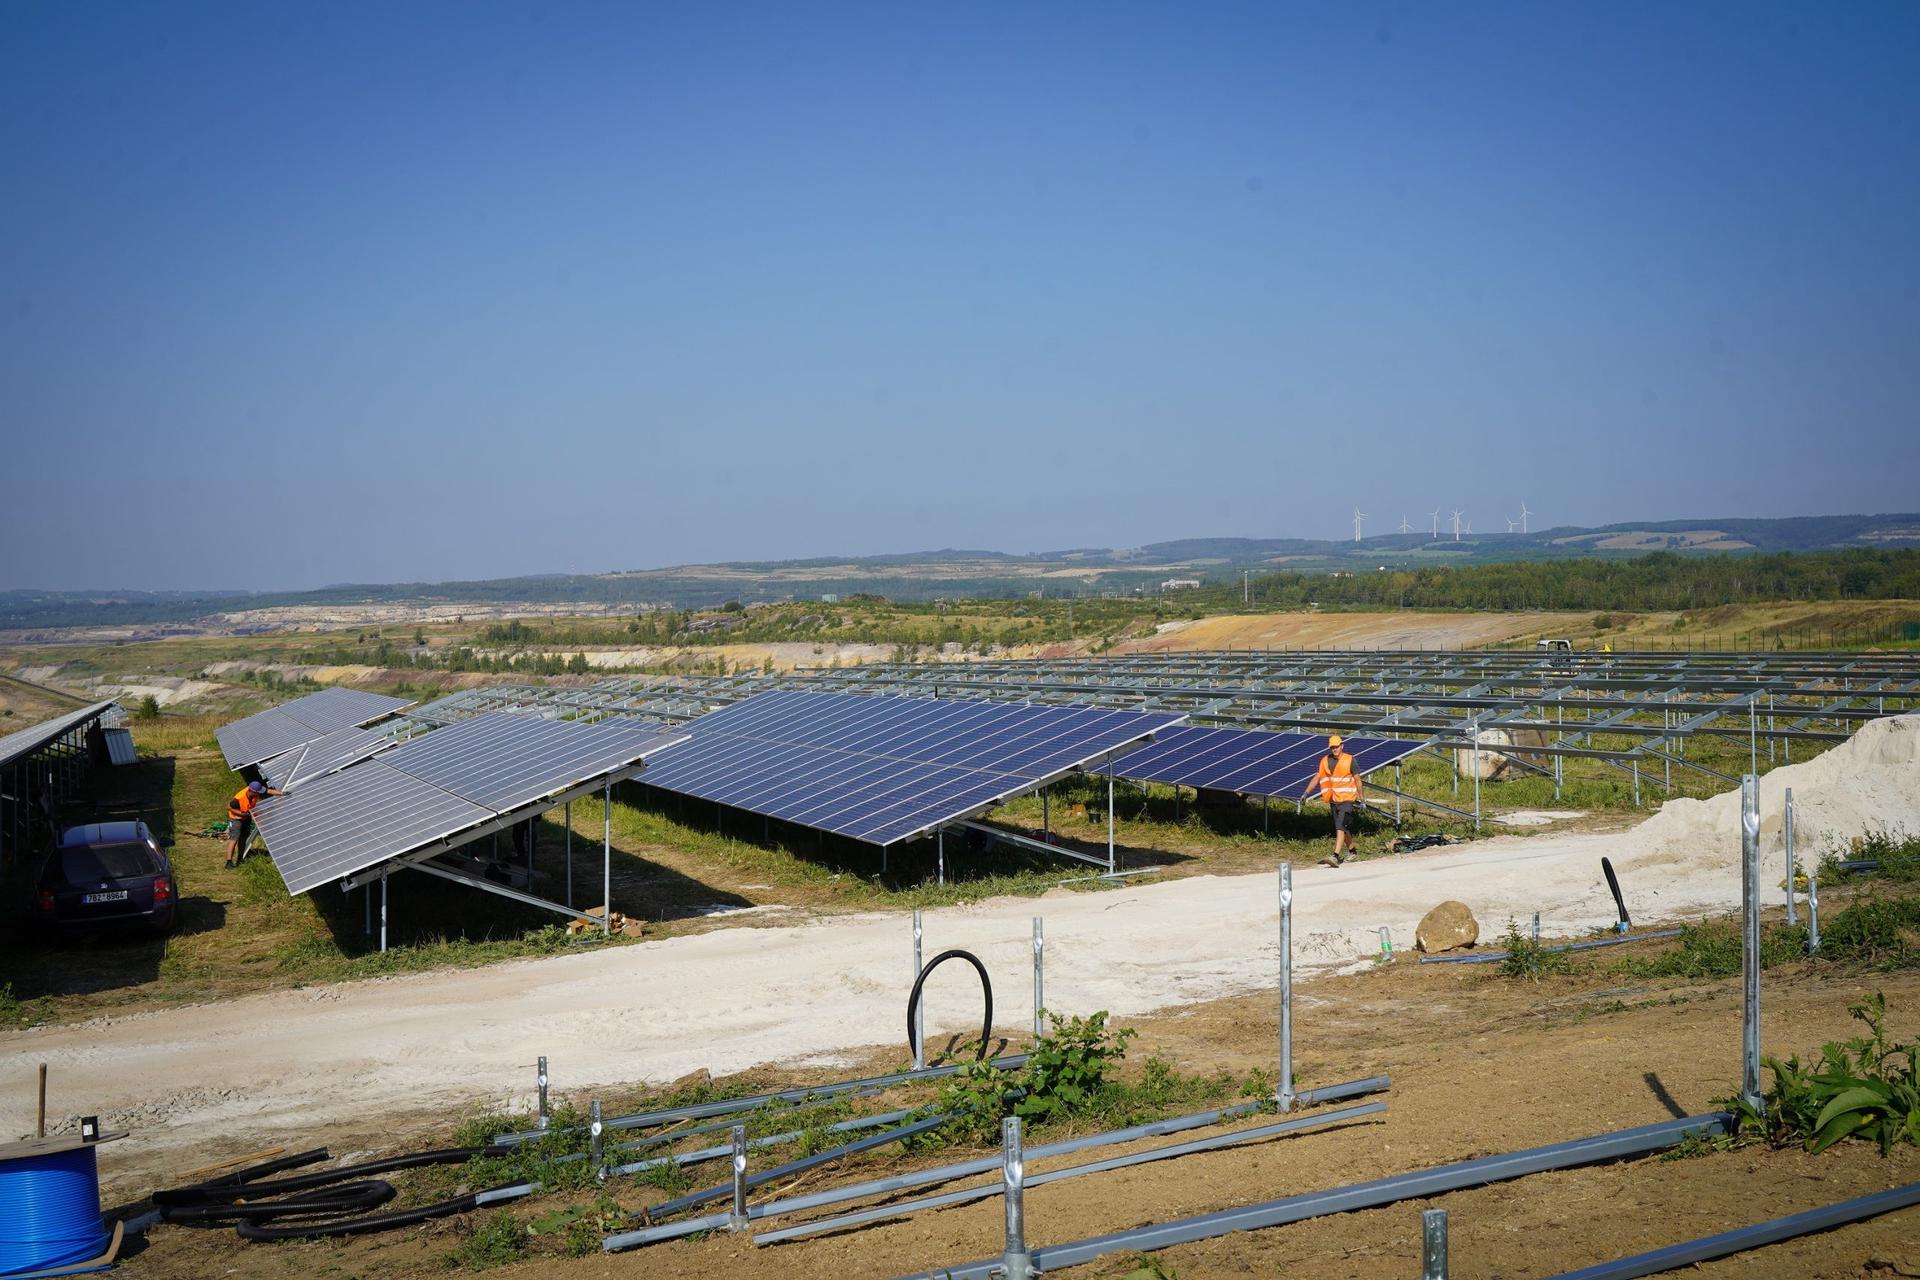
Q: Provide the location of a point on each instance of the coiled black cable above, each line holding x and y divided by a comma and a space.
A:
986, 991
245, 1202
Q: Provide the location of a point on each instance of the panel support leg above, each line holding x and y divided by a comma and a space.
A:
606, 861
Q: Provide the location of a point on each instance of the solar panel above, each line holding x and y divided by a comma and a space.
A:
292, 724
884, 769
503, 760
353, 819
333, 824
337, 707
324, 755
1251, 761
24, 742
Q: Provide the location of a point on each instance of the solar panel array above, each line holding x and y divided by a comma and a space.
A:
324, 755
885, 769
293, 724
24, 742
439, 785
1251, 761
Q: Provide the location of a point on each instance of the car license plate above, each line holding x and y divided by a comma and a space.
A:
116, 895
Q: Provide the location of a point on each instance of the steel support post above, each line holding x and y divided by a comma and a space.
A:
920, 1007
1753, 737
540, 1081
1476, 778
1636, 782
1046, 812
1285, 1094
737, 1220
1750, 937
596, 1140
1793, 915
1433, 1245
1398, 787
606, 861
1014, 1258
366, 911
1813, 911
383, 909
1110, 862
569, 853
1039, 979
940, 854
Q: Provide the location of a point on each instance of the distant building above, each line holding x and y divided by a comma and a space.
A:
828, 597
1180, 584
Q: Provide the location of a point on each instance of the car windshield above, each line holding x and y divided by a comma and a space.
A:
106, 862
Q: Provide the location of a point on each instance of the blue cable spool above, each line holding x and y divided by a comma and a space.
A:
49, 1205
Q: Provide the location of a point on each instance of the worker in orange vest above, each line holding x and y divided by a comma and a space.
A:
1340, 788
240, 817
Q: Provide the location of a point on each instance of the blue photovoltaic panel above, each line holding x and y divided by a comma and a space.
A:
1251, 761
293, 724
503, 760
884, 769
353, 819
324, 755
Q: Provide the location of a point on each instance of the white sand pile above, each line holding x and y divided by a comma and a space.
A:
1869, 783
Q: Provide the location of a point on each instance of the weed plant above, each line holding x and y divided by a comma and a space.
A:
1528, 959
1867, 1087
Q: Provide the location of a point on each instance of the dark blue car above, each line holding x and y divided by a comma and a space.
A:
108, 874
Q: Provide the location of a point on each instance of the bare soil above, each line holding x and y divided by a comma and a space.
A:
1480, 1065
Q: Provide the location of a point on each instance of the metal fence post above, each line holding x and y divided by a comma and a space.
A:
1813, 912
1285, 1095
606, 861
596, 1132
1039, 979
1793, 916
737, 1220
1536, 928
1750, 936
541, 1080
1017, 1262
920, 1006
1433, 1245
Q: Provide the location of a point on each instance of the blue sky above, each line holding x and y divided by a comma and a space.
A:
299, 294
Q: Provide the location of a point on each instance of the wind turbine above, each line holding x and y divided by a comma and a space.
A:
1435, 513
1524, 513
1456, 524
1358, 516
1512, 524
1404, 527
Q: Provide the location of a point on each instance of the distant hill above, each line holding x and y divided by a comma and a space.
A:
954, 573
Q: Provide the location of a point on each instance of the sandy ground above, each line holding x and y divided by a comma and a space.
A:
277, 1066
1343, 631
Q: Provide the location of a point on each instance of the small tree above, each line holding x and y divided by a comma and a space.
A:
148, 708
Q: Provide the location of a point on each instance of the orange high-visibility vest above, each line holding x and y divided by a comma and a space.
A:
1337, 783
242, 802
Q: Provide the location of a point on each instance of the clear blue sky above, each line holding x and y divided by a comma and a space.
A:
293, 294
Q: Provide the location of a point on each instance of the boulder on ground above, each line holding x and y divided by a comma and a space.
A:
1448, 927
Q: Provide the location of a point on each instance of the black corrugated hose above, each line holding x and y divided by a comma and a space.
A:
244, 1201
986, 992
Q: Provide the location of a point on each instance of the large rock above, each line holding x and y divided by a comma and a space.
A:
1448, 927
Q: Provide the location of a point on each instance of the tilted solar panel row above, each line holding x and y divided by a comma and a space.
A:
1251, 761
293, 724
439, 785
885, 769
